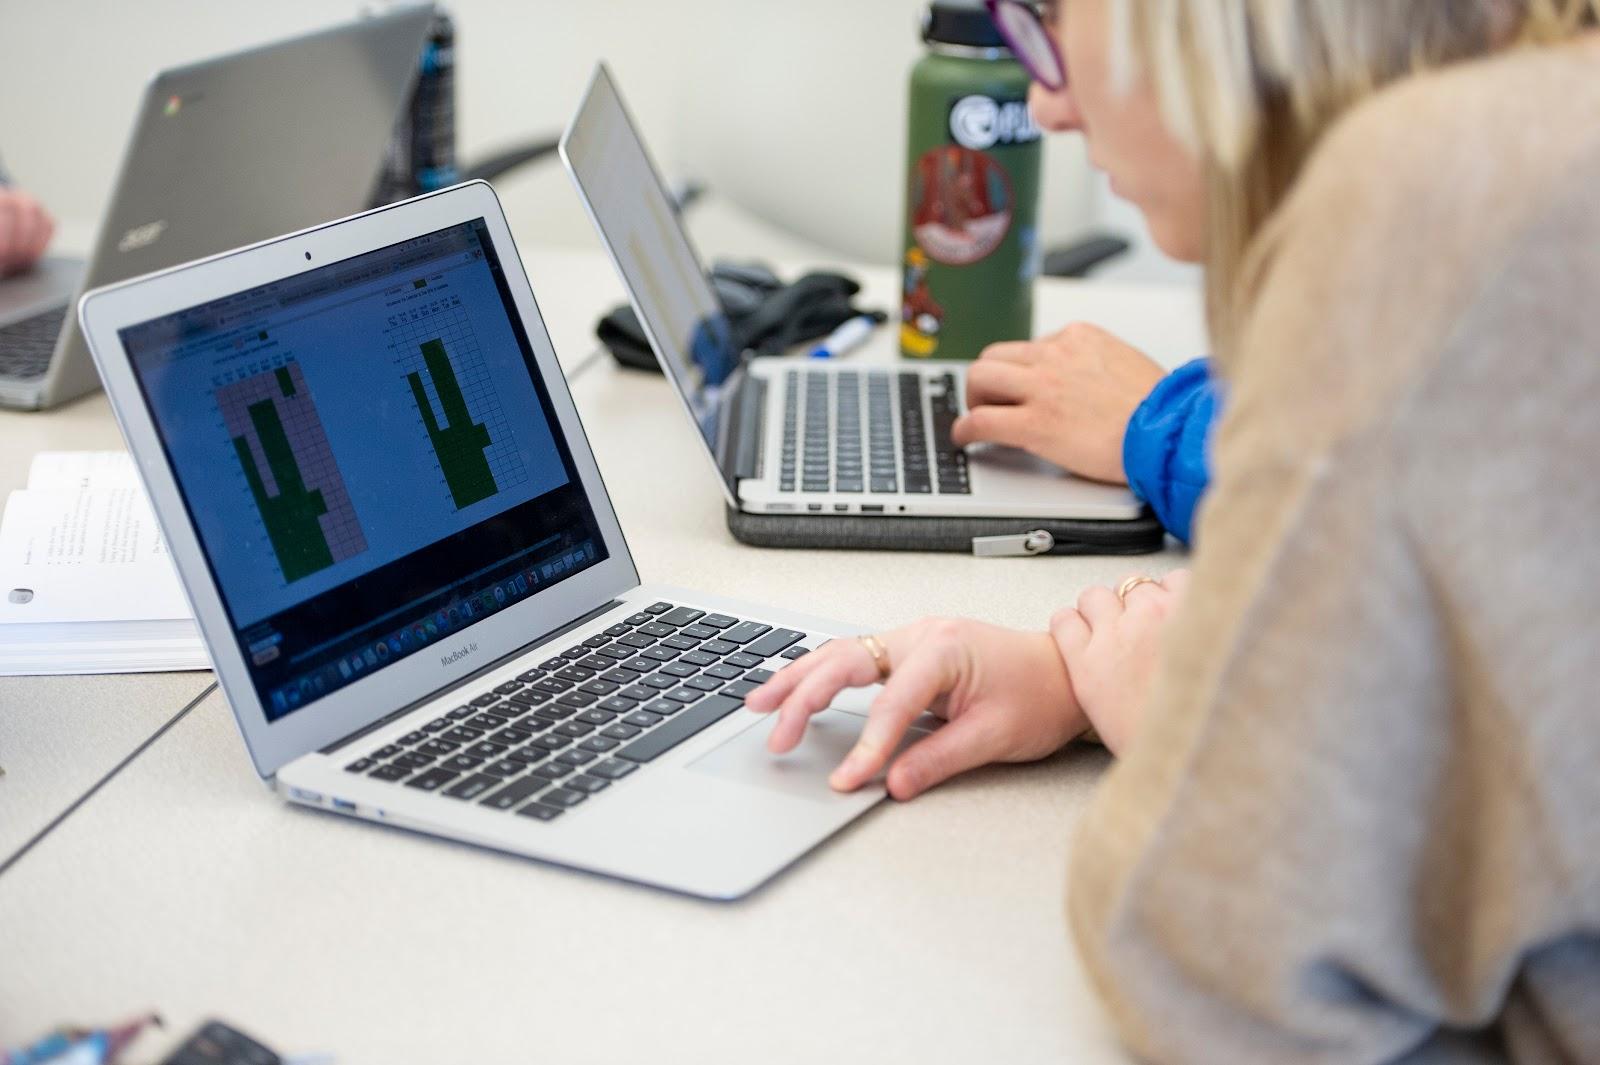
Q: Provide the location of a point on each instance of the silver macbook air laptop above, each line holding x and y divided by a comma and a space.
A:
409, 576
797, 437
223, 153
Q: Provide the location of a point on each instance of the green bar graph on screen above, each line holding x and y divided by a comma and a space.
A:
460, 443
293, 516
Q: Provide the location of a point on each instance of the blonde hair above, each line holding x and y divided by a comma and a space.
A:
1252, 85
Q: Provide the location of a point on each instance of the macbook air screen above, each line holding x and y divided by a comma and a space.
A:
369, 457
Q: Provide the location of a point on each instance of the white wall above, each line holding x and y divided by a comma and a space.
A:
792, 108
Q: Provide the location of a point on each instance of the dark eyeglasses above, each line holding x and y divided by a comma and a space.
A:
1022, 27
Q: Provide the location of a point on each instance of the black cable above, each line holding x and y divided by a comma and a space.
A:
103, 781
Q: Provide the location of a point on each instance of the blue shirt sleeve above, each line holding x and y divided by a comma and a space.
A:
1164, 451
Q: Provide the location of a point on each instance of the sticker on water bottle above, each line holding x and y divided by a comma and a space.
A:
963, 204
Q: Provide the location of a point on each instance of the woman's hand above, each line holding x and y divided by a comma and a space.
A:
1005, 694
1112, 646
1066, 398
25, 230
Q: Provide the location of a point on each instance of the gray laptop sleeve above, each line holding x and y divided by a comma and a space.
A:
983, 536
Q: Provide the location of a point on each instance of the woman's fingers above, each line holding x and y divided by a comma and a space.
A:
1099, 606
847, 665
965, 743
1023, 352
1008, 425
929, 672
997, 381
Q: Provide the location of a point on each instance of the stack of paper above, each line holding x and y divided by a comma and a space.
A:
86, 584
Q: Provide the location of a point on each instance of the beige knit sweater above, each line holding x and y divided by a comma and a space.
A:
1362, 820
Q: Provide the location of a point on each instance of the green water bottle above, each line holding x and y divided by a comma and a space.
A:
972, 191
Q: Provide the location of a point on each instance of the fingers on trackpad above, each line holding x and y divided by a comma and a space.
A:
804, 770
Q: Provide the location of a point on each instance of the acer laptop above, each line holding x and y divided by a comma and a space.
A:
223, 153
410, 579
787, 436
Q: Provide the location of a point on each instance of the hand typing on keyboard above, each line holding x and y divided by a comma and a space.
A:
1005, 694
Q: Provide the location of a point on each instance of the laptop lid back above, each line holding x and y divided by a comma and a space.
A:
628, 203
365, 461
246, 146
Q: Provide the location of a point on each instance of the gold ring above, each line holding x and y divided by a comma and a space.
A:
1131, 583
879, 653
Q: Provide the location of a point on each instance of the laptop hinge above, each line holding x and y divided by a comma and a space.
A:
553, 634
739, 427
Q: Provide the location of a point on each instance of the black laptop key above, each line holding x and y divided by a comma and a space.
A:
505, 767
664, 707
679, 643
577, 699
552, 685
599, 639
774, 642
562, 797
637, 693
620, 675
759, 676
596, 663
531, 697
718, 621
618, 629
658, 741
642, 719
461, 762
554, 712
575, 652
489, 722
658, 608
615, 652
794, 652
438, 724
575, 729
461, 713
471, 787
485, 699
599, 744
743, 660
576, 674
635, 640
389, 772
684, 694
576, 757
530, 676
512, 736
615, 705
432, 779
697, 632
636, 619
647, 663
658, 630
512, 794
413, 760
611, 770
597, 717
718, 647
485, 749
539, 812
705, 684
508, 687
683, 615
552, 742
620, 731
723, 671
438, 748
746, 631
739, 689
553, 771
679, 669
529, 754
360, 765
552, 663
659, 682
698, 658
598, 687
584, 783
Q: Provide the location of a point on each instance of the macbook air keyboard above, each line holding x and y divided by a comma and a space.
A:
866, 431
585, 719
26, 346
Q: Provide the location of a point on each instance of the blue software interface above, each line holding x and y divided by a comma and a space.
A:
369, 456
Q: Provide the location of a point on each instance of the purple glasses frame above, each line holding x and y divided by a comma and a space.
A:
1024, 49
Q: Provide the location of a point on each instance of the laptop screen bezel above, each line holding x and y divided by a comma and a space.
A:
601, 81
272, 744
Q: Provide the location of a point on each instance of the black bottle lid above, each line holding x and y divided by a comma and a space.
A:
966, 24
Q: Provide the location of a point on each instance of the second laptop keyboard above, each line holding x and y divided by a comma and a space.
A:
873, 431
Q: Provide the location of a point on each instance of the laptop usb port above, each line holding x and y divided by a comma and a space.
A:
872, 508
345, 805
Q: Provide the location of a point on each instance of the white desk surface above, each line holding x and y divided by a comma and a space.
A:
926, 932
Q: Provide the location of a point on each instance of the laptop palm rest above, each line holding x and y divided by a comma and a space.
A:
802, 772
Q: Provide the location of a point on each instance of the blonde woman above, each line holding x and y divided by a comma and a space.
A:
1356, 812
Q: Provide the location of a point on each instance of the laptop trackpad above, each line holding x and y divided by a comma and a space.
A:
804, 770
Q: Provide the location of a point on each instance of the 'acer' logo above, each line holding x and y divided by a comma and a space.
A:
142, 236
455, 656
